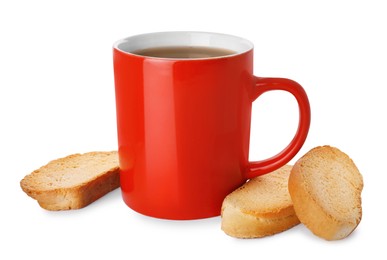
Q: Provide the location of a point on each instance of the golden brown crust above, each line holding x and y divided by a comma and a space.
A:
325, 187
244, 225
259, 208
74, 181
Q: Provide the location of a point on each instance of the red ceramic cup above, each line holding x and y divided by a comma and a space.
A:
184, 123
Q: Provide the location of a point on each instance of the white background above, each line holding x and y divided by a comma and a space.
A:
57, 98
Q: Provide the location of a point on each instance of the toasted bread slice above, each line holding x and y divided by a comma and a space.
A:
260, 207
74, 181
325, 186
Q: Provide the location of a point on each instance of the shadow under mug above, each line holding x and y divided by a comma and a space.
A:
184, 123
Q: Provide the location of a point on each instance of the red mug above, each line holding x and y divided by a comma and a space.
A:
184, 123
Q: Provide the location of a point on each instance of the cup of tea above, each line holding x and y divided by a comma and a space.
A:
183, 102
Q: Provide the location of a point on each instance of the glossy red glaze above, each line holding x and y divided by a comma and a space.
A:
184, 128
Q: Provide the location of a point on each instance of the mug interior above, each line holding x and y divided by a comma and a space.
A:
191, 39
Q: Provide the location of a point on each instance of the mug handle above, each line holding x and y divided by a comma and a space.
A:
263, 85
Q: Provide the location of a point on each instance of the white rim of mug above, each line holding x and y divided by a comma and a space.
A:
184, 38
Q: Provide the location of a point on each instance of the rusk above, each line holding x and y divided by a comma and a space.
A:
260, 207
325, 186
74, 181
